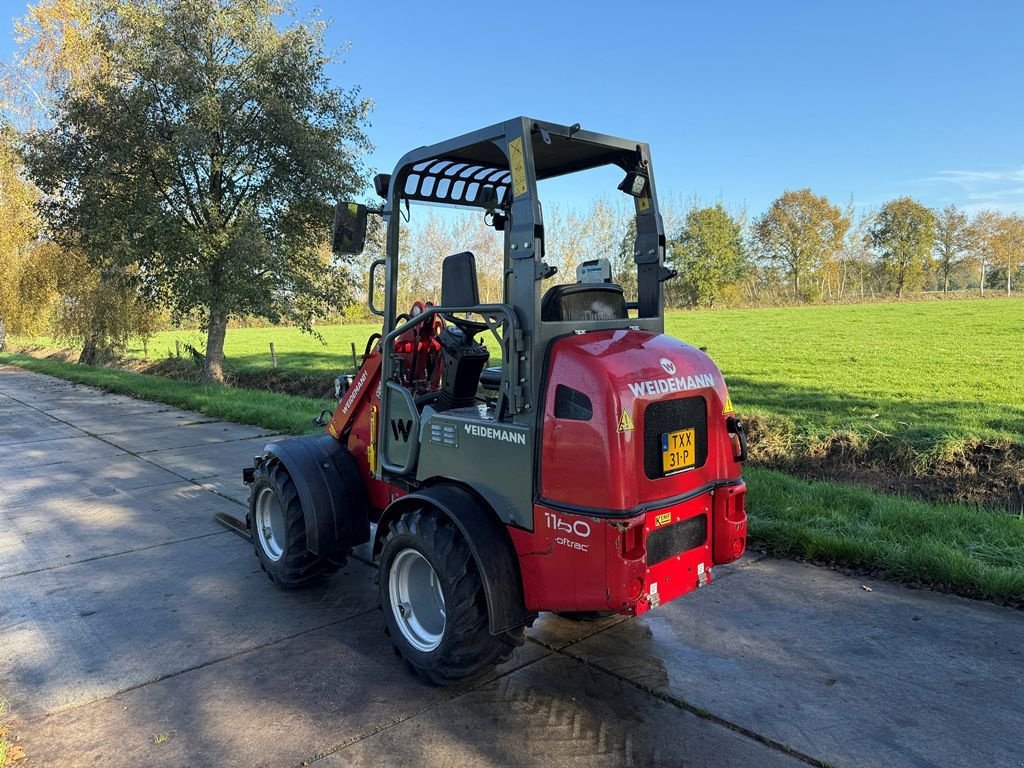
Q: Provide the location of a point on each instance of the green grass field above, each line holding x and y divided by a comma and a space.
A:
928, 370
935, 368
248, 349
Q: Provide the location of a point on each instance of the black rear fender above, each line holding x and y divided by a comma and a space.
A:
488, 541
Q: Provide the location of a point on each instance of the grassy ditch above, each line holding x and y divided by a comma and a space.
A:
918, 398
953, 548
960, 549
282, 413
972, 470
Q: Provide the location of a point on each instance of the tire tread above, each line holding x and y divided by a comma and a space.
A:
299, 568
469, 650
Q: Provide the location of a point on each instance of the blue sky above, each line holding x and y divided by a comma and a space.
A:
738, 100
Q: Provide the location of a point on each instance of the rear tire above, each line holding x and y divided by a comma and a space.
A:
278, 530
432, 596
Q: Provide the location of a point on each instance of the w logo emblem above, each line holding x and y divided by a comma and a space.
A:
668, 366
401, 429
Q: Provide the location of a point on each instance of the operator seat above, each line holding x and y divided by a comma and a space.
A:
583, 301
463, 358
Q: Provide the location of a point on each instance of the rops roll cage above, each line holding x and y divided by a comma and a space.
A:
496, 169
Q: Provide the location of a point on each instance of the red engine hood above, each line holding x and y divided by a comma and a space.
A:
599, 464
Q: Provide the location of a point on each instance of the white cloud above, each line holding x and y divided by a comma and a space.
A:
975, 178
1000, 190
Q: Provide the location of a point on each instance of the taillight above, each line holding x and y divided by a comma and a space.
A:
738, 544
729, 528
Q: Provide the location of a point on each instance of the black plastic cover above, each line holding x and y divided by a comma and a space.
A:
671, 540
583, 301
463, 360
458, 281
334, 504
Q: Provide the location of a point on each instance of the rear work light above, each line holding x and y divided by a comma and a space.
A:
738, 438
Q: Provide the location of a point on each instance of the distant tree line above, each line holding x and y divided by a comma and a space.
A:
808, 249
803, 249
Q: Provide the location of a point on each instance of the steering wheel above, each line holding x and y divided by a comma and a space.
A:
469, 327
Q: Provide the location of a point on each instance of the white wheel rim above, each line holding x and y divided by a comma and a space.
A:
270, 528
417, 602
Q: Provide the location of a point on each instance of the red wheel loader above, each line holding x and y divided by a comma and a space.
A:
596, 469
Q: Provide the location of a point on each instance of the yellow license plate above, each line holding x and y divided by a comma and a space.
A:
678, 450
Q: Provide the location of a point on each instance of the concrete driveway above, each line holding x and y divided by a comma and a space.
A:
134, 630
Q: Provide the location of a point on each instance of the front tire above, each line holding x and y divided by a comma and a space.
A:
433, 600
279, 530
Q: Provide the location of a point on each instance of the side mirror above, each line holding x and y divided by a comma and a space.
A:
349, 234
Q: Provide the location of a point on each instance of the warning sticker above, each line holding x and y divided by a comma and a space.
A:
517, 166
728, 405
625, 422
643, 203
663, 519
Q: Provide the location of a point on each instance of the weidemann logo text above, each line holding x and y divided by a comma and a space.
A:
504, 435
673, 384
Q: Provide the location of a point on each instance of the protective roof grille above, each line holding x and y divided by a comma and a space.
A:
458, 182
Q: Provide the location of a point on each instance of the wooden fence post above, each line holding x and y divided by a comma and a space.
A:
177, 348
273, 354
355, 364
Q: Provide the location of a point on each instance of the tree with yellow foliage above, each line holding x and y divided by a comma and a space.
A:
800, 232
23, 295
46, 287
